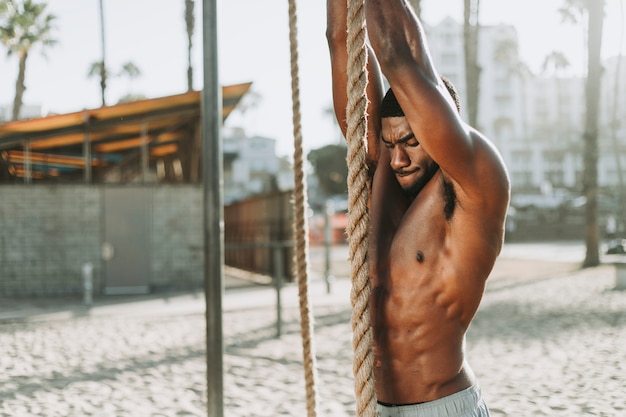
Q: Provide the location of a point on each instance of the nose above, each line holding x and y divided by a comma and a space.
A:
399, 158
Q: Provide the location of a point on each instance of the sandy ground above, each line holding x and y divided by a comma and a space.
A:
548, 340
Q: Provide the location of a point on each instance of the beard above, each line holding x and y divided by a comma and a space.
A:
412, 190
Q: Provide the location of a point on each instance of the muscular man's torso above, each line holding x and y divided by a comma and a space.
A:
429, 260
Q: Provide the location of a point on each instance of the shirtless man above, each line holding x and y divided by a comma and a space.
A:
439, 194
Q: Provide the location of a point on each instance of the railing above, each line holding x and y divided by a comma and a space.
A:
253, 227
276, 251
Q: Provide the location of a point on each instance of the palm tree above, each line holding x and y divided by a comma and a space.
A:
131, 71
190, 25
614, 121
556, 63
95, 69
472, 69
22, 26
103, 67
507, 53
590, 136
574, 11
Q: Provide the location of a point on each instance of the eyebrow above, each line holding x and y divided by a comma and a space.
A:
403, 139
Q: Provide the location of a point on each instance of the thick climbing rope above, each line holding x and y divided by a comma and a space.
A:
358, 218
358, 221
300, 224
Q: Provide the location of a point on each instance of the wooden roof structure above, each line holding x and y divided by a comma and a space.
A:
59, 147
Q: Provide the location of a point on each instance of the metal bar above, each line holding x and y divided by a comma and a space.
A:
87, 149
278, 283
213, 211
328, 213
144, 152
259, 245
28, 173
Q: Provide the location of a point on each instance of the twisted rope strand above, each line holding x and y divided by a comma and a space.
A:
358, 221
300, 224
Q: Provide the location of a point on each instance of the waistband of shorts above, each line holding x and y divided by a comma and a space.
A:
450, 405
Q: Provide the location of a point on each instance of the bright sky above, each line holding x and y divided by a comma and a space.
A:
253, 46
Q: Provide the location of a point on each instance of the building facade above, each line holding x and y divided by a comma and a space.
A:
251, 166
536, 121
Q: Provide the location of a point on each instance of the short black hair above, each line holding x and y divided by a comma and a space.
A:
391, 108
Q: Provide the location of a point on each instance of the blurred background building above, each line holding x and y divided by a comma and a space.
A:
141, 161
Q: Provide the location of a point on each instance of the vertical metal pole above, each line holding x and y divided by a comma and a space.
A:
328, 240
87, 149
144, 152
213, 211
103, 68
28, 171
278, 282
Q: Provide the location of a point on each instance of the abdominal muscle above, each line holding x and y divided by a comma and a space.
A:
419, 318
418, 346
427, 282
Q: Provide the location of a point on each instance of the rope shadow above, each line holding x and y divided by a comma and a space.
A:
513, 283
508, 320
33, 384
30, 385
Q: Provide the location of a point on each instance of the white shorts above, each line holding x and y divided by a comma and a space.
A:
466, 403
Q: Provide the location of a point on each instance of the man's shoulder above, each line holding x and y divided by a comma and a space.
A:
487, 178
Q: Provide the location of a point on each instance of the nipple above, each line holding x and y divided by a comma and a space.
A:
420, 256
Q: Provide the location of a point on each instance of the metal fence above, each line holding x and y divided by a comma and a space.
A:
255, 228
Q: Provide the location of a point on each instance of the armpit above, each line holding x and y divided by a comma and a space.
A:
449, 197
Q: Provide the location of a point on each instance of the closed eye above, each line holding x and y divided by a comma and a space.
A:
388, 145
412, 143
409, 140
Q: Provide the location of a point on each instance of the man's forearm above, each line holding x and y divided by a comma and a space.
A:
397, 37
336, 35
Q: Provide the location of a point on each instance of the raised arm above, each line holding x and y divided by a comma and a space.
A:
336, 34
464, 156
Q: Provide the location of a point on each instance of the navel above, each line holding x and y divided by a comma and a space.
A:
420, 256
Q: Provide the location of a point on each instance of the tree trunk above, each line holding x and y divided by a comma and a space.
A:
614, 125
103, 68
20, 87
190, 23
592, 95
472, 69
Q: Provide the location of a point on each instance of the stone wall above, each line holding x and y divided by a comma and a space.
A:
47, 232
177, 237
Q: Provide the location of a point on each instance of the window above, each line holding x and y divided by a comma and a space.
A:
447, 37
521, 179
503, 128
553, 157
449, 59
503, 86
521, 158
555, 177
503, 103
